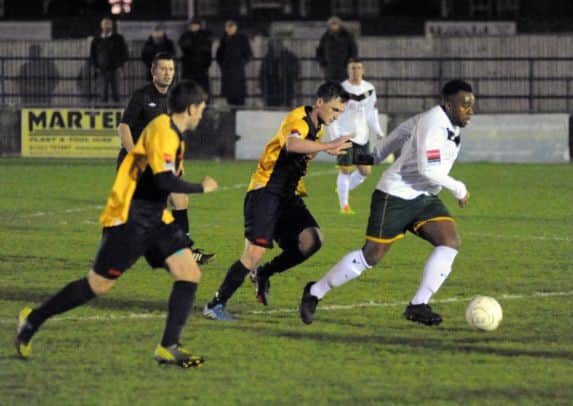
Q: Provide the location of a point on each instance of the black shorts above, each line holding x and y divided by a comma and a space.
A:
144, 234
357, 155
271, 217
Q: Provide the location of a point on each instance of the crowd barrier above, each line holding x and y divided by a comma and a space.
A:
242, 134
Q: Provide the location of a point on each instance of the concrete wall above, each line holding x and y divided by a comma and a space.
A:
418, 82
256, 128
493, 138
243, 135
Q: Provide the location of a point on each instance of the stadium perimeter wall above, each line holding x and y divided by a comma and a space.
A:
522, 138
243, 134
499, 78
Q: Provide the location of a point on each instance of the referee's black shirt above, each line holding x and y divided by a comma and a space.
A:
145, 104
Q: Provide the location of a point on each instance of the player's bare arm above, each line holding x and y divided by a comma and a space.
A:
125, 136
302, 146
339, 148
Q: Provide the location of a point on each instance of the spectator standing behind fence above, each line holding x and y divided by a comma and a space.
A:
157, 42
37, 78
337, 45
108, 53
278, 74
196, 44
232, 56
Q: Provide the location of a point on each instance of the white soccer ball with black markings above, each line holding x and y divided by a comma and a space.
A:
484, 313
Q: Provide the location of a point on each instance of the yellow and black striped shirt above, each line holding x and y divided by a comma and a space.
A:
278, 170
160, 148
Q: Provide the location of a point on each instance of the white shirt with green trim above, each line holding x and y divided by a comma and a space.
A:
427, 157
394, 141
360, 114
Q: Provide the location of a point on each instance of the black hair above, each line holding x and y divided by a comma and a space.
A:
331, 90
183, 95
454, 86
159, 57
354, 60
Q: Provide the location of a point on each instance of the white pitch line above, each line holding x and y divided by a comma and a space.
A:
100, 207
505, 296
524, 237
284, 310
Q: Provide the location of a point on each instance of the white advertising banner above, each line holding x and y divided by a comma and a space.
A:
470, 28
256, 128
516, 138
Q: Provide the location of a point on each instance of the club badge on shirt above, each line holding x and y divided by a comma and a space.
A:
433, 156
294, 133
169, 162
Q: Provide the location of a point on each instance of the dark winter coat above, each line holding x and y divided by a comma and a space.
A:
196, 49
232, 55
108, 54
278, 75
151, 48
334, 51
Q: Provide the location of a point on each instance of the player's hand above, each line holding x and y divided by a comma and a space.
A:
339, 146
463, 202
209, 184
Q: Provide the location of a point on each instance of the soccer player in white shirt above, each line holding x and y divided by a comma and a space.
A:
406, 199
395, 141
358, 119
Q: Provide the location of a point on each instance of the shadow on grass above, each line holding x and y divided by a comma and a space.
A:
12, 357
37, 296
19, 227
418, 343
41, 262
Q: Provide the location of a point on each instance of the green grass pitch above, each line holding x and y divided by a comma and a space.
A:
517, 247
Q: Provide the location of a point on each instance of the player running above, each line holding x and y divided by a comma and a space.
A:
406, 199
274, 209
136, 223
360, 117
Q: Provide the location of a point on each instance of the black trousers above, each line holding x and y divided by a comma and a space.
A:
109, 79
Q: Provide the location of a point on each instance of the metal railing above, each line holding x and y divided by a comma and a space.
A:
403, 85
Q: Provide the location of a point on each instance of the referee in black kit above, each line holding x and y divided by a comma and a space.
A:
145, 104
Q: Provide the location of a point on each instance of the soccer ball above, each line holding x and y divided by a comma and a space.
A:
484, 313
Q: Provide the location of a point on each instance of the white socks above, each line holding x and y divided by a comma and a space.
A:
356, 179
349, 267
437, 268
345, 183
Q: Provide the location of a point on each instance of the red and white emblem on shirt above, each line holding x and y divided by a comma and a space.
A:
433, 156
169, 162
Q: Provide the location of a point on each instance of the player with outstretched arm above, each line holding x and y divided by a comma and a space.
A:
406, 199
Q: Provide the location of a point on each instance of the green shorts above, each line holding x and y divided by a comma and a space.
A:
391, 216
352, 153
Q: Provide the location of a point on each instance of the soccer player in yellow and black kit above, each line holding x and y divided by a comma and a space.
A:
273, 208
145, 104
136, 223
